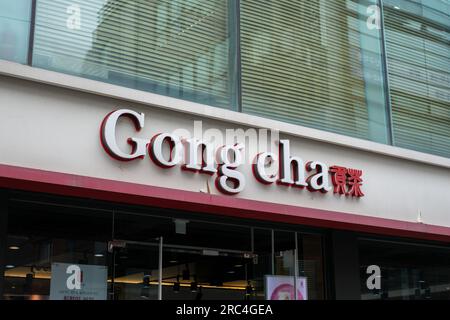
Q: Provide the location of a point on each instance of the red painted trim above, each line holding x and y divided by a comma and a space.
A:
122, 192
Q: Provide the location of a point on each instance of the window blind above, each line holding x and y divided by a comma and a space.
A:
172, 47
306, 62
418, 48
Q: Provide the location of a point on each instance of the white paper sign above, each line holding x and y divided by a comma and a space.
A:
78, 282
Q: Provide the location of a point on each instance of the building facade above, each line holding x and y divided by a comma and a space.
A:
225, 149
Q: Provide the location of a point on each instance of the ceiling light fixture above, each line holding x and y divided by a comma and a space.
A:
145, 290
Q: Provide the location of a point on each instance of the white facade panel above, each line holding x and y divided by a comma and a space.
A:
49, 128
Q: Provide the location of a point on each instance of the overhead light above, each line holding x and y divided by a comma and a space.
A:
211, 253
145, 290
10, 266
173, 261
231, 272
14, 248
238, 266
147, 276
99, 255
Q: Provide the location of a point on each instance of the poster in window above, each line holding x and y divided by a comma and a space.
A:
78, 282
283, 288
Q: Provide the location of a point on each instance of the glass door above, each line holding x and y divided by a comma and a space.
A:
153, 271
135, 270
195, 273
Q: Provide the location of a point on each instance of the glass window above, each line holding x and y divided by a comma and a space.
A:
66, 249
53, 253
404, 272
170, 47
181, 231
315, 63
418, 50
310, 264
284, 253
200, 260
14, 29
263, 262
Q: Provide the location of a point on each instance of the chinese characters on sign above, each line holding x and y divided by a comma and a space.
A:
347, 181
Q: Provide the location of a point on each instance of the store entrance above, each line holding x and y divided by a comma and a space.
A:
65, 251
134, 270
154, 270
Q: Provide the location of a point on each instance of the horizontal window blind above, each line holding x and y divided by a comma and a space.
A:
306, 62
418, 50
172, 47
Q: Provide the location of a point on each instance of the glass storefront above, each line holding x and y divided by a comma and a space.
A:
41, 236
406, 271
78, 249
72, 250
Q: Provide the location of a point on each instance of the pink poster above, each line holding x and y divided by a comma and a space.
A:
283, 288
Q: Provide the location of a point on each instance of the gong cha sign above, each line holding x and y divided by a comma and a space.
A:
168, 151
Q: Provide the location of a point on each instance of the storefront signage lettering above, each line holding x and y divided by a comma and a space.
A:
168, 150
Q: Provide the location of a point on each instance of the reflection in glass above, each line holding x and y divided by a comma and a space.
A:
263, 263
314, 63
284, 245
14, 29
418, 51
170, 47
310, 264
40, 238
408, 272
